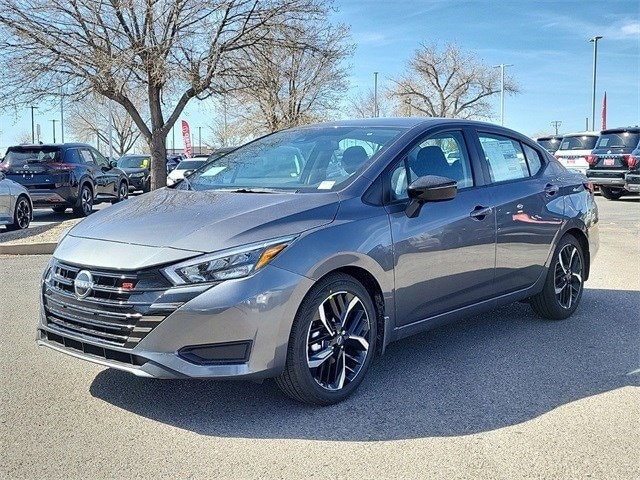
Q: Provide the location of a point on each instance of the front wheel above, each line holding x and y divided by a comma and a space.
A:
332, 342
123, 193
612, 193
564, 284
21, 215
84, 204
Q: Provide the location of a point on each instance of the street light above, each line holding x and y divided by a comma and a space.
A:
375, 94
594, 40
502, 67
33, 126
54, 129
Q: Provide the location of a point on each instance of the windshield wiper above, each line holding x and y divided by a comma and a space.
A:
254, 190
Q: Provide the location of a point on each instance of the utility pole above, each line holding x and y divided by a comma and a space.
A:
33, 126
594, 40
556, 124
110, 130
173, 139
375, 94
54, 129
200, 140
61, 116
502, 66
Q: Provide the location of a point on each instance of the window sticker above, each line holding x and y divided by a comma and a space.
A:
326, 185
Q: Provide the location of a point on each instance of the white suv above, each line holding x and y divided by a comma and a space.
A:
574, 149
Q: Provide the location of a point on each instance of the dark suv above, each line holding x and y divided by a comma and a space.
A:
611, 160
138, 170
69, 175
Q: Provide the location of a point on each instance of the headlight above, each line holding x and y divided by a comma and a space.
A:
236, 263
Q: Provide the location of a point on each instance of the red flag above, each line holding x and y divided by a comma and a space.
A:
604, 112
186, 137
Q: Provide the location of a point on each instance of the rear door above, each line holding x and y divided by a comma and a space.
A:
445, 256
527, 205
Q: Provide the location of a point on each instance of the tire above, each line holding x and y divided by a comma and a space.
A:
21, 215
567, 273
147, 186
612, 193
342, 355
59, 208
84, 204
123, 193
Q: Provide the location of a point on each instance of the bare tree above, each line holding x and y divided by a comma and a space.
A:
297, 78
448, 83
88, 120
173, 50
24, 137
362, 104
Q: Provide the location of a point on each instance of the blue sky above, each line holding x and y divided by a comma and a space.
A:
546, 41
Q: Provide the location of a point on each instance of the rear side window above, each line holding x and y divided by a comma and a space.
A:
618, 140
86, 155
533, 159
20, 156
505, 157
71, 156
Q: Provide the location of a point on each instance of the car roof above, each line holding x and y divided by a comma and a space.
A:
549, 137
395, 122
581, 134
635, 129
49, 145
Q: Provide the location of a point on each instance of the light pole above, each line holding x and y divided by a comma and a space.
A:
33, 126
61, 116
594, 40
54, 129
502, 66
200, 140
375, 94
110, 130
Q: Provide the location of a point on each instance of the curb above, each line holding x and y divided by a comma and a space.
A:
45, 248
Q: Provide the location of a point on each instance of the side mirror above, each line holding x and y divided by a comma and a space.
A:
430, 188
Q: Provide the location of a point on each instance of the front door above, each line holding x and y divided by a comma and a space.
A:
444, 256
5, 200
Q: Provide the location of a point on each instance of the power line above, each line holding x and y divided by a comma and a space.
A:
556, 124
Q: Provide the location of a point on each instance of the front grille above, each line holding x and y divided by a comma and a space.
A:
119, 309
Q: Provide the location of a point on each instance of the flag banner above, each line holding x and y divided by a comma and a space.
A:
604, 112
186, 137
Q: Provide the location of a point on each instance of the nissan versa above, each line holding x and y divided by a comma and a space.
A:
301, 255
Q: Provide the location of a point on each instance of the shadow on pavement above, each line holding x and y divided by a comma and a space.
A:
488, 372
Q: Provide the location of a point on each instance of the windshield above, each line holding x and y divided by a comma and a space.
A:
618, 140
133, 162
582, 142
190, 164
306, 159
19, 156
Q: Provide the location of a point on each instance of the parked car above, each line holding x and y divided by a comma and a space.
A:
190, 164
612, 160
69, 175
550, 143
173, 161
138, 170
632, 180
574, 149
251, 271
16, 209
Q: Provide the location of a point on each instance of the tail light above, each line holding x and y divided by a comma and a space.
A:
591, 159
631, 160
590, 186
4, 167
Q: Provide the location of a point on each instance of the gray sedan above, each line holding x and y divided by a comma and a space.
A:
303, 254
16, 209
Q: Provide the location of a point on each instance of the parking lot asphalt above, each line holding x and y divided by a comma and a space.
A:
500, 395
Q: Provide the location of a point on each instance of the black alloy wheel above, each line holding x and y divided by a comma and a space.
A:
332, 343
612, 193
22, 215
123, 192
84, 205
564, 284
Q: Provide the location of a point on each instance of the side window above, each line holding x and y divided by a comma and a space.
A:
443, 154
504, 156
533, 159
85, 155
71, 156
99, 159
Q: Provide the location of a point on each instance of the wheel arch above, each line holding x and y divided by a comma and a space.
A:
584, 244
24, 195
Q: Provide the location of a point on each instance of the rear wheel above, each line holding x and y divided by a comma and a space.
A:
123, 193
84, 204
612, 193
21, 215
564, 284
332, 343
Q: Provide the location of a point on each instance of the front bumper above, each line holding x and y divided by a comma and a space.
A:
257, 311
136, 183
632, 182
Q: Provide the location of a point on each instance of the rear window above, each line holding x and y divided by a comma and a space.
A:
618, 140
19, 156
582, 142
190, 164
549, 144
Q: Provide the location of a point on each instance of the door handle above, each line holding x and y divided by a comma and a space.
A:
551, 189
480, 212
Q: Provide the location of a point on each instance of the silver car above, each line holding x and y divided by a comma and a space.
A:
16, 209
303, 254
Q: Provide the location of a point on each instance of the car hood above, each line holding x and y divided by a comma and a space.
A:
129, 171
207, 221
